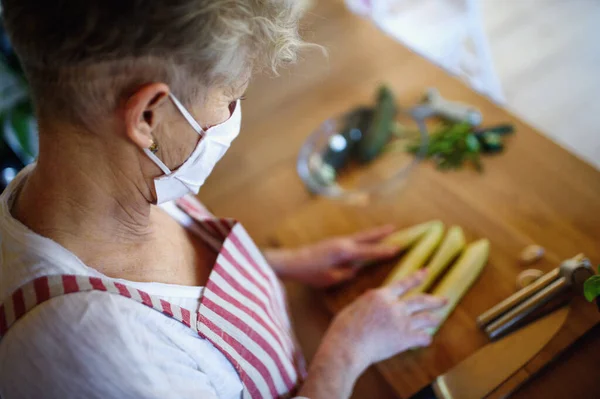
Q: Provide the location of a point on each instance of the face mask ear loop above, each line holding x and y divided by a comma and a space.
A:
187, 115
190, 120
157, 161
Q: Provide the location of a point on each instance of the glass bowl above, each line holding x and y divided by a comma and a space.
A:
357, 182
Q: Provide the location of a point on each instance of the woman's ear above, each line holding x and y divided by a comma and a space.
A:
143, 111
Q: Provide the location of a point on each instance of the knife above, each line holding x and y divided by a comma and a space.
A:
486, 369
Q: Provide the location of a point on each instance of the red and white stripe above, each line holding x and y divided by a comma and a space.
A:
226, 290
242, 312
245, 274
194, 208
44, 288
246, 298
256, 259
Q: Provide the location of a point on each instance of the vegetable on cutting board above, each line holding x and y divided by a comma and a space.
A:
453, 144
380, 127
342, 146
418, 255
591, 288
407, 237
449, 249
461, 277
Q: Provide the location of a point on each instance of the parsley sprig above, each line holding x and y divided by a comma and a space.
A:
453, 145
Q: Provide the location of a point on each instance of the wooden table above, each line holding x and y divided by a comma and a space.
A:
536, 192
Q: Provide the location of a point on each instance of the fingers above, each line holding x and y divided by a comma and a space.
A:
342, 274
373, 235
422, 303
368, 252
406, 284
332, 277
424, 320
421, 339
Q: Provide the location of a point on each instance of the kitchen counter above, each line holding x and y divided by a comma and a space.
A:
536, 192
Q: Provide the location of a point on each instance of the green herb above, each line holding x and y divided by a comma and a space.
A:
472, 143
450, 146
591, 287
500, 130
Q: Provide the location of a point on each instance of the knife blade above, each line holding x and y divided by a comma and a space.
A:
486, 369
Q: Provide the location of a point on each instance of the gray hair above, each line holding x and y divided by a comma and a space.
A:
82, 56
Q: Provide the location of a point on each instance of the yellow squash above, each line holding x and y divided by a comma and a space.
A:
419, 254
407, 237
449, 249
462, 276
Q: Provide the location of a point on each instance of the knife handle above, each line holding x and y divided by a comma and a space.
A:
518, 313
517, 298
425, 393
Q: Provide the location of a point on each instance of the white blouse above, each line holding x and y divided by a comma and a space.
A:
124, 349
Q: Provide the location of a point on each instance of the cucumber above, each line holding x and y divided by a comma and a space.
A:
380, 128
451, 246
343, 145
418, 255
502, 130
491, 142
461, 276
407, 237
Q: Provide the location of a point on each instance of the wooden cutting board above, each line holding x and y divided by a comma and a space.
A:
485, 206
536, 192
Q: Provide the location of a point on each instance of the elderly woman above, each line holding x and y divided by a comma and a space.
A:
115, 281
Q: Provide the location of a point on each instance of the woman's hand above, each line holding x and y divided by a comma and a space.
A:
374, 327
381, 323
331, 261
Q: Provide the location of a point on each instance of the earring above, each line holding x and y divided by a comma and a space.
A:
153, 147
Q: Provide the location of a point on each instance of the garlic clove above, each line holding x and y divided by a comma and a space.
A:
527, 277
531, 254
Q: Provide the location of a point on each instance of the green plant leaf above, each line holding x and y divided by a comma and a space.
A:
591, 288
472, 143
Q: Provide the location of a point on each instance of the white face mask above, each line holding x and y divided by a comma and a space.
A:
211, 147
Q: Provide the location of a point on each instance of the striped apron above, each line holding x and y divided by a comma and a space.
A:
242, 311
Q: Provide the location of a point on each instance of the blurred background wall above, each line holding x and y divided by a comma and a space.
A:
547, 57
540, 58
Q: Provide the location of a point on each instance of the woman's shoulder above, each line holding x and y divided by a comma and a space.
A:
94, 338
25, 256
95, 314
88, 315
20, 264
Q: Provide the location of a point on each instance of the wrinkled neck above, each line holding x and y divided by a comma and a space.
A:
86, 187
